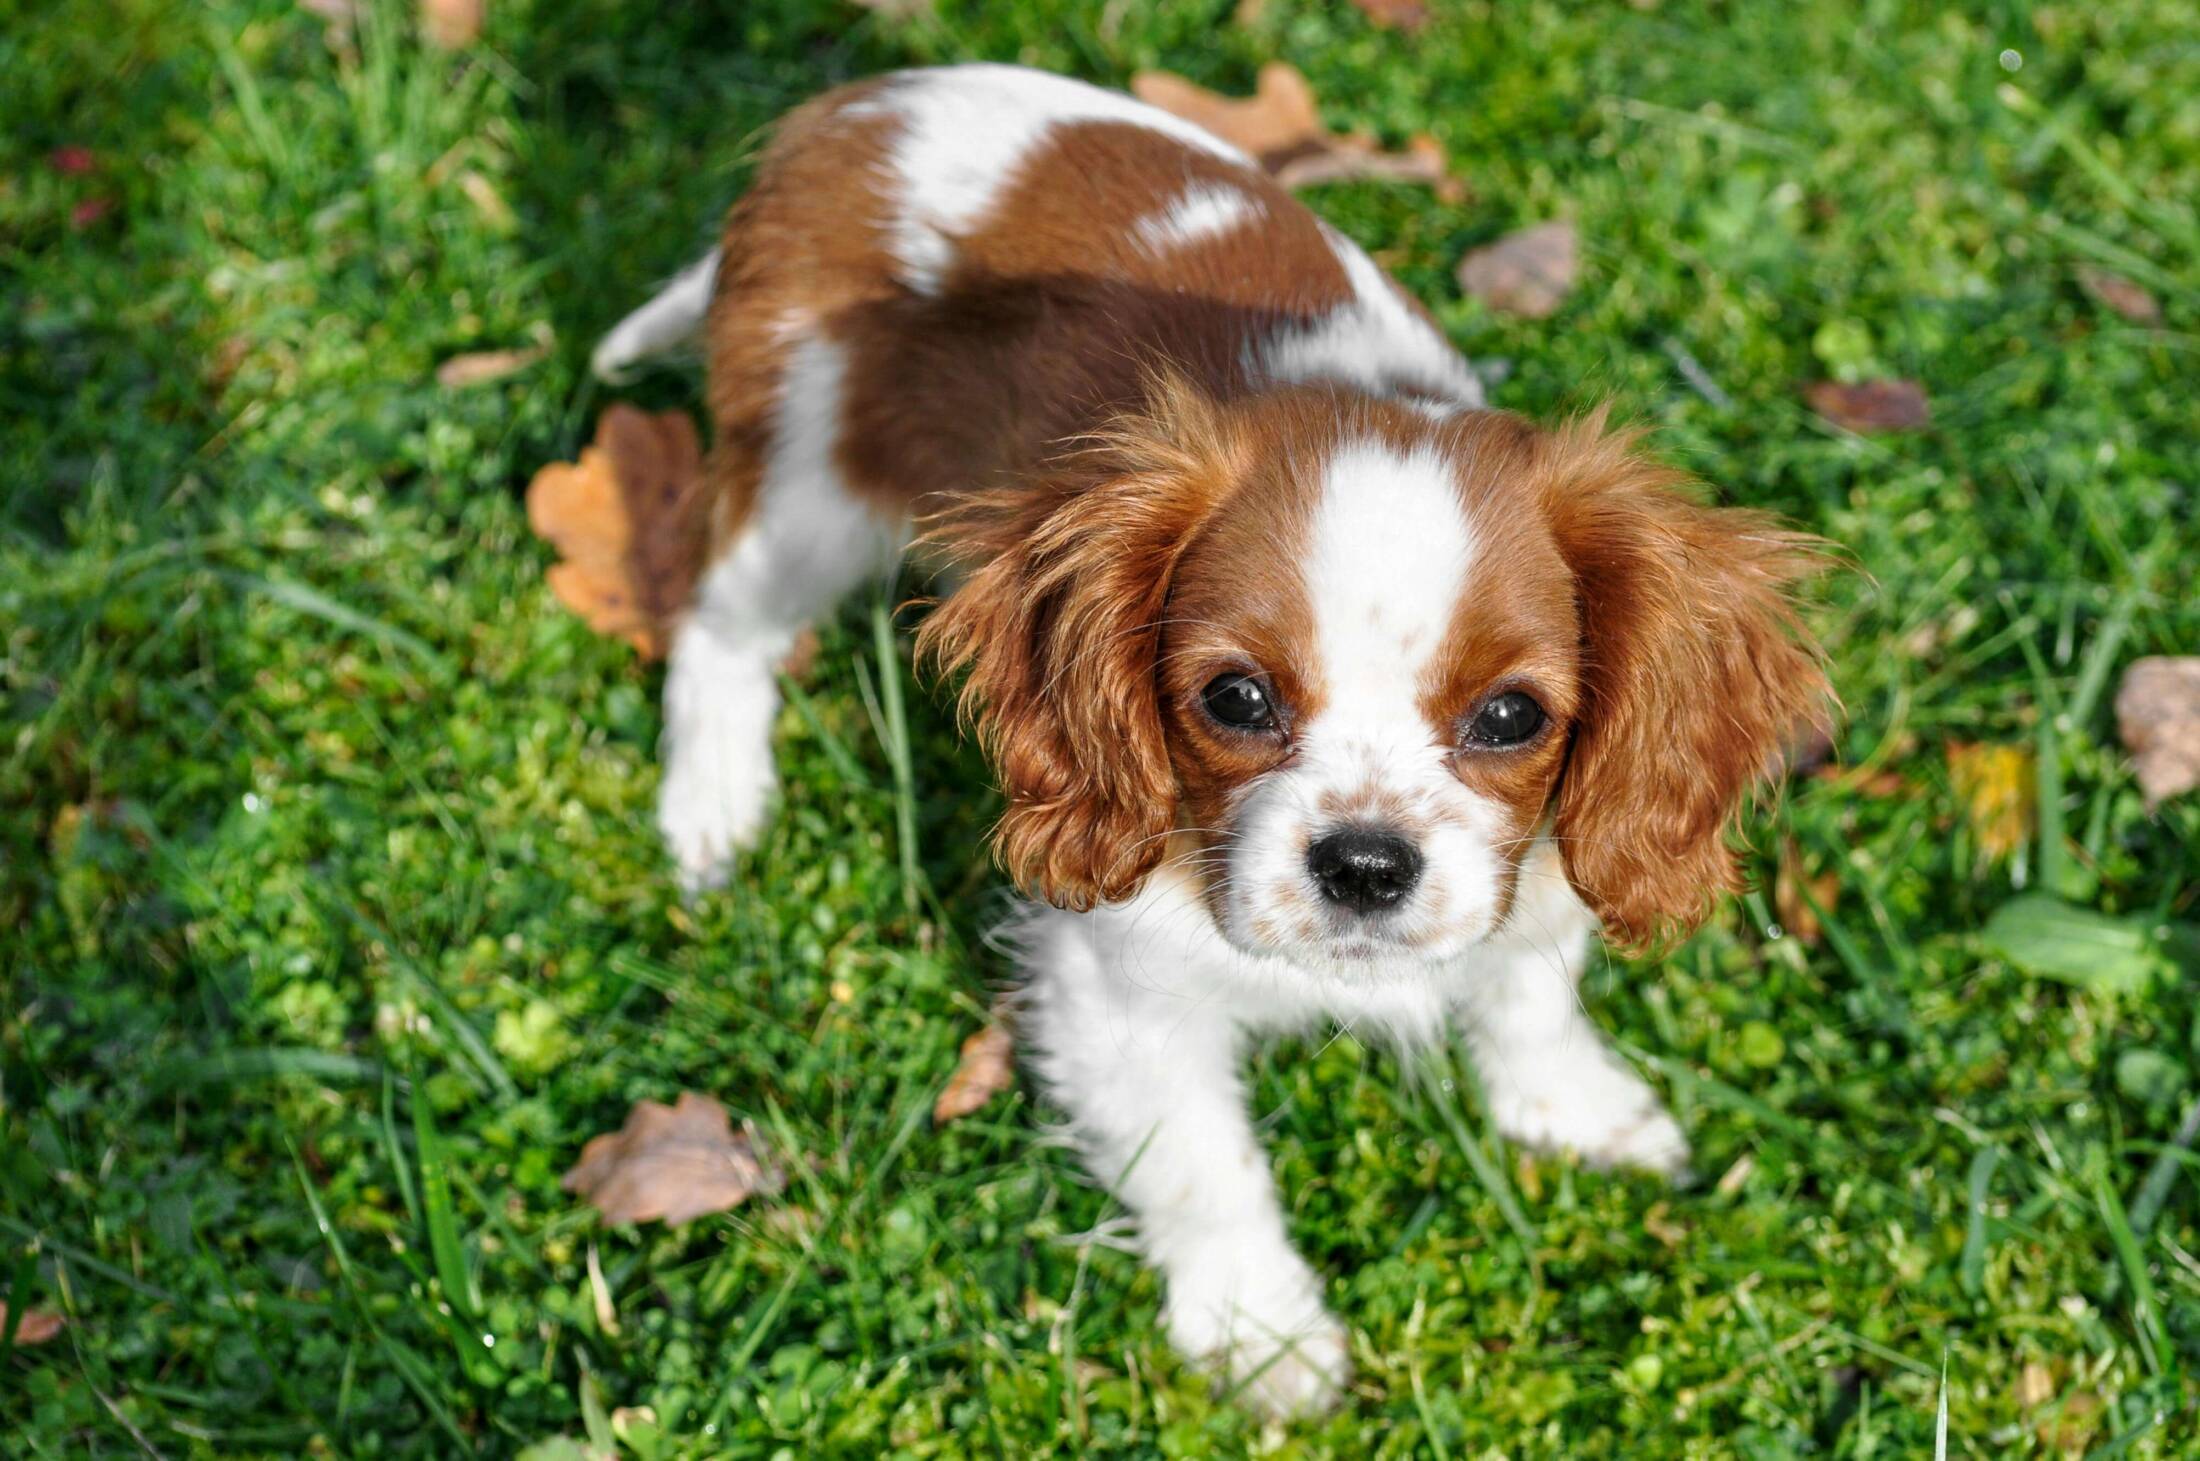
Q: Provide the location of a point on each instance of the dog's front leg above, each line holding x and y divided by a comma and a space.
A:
1549, 1077
1149, 1078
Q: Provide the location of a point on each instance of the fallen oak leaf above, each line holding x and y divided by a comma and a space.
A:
2158, 720
36, 1326
1281, 127
479, 367
1276, 123
628, 521
1528, 273
986, 1069
1871, 405
675, 1163
2115, 292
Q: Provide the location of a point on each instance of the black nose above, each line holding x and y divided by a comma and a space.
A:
1363, 870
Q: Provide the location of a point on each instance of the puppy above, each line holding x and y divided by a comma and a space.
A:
1316, 691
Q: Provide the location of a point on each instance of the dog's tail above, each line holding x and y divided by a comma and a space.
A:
672, 319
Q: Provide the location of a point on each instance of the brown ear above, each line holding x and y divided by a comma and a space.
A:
1696, 676
1058, 623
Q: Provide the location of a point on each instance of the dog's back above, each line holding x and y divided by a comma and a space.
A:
1000, 259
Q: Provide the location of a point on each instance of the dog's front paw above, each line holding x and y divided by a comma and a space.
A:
1273, 1348
711, 806
1599, 1110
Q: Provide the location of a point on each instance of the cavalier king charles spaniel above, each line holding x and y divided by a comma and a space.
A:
1317, 691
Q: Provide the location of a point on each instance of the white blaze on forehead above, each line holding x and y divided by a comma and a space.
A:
964, 131
1390, 553
1391, 549
1204, 210
1375, 341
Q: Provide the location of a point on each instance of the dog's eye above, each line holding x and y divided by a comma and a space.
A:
1507, 720
1239, 702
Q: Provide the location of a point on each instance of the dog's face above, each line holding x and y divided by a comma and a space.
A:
1342, 664
1367, 674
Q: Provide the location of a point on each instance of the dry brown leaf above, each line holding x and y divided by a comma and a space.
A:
1998, 791
1809, 749
987, 1068
796, 664
1406, 15
1884, 782
38, 1326
628, 519
1528, 273
487, 201
1280, 125
2158, 720
1658, 1223
2070, 1427
599, 1292
479, 367
675, 1163
1790, 884
1357, 157
339, 20
452, 24
2115, 292
1871, 405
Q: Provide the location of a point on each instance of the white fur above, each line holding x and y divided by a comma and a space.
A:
674, 317
964, 132
1376, 342
1201, 211
1137, 1015
807, 542
1390, 558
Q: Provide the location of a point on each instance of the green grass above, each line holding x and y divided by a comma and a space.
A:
331, 922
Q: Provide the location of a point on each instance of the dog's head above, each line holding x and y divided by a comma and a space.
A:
1343, 664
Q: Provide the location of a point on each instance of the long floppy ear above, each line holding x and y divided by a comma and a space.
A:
1058, 624
1697, 675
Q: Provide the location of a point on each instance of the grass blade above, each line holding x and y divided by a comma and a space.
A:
409, 1366
317, 605
442, 1217
1940, 1417
2155, 1344
897, 750
1973, 1269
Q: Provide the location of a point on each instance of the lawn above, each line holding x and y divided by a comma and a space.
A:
332, 922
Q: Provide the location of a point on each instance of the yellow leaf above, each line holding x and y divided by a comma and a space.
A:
1999, 793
